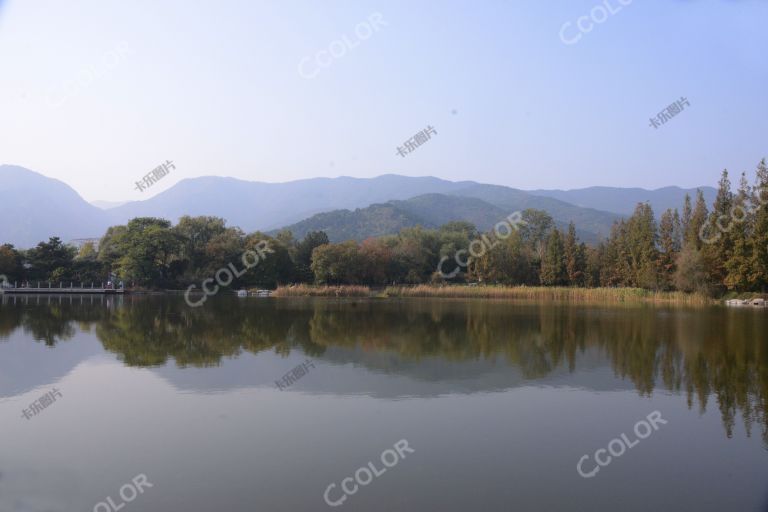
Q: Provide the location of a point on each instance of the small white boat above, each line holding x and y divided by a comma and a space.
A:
263, 293
242, 293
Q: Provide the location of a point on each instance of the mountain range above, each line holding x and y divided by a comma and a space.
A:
34, 207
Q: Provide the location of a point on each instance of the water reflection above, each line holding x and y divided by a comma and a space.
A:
705, 354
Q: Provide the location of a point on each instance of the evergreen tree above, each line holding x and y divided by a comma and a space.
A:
641, 248
738, 265
759, 238
687, 213
692, 234
302, 256
669, 241
718, 238
575, 257
553, 266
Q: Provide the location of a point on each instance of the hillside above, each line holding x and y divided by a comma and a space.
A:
594, 224
429, 210
34, 208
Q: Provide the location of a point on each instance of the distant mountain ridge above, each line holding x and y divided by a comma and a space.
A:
34, 207
624, 200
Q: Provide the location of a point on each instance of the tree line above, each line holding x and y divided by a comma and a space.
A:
696, 249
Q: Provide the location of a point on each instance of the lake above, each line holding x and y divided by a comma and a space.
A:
145, 404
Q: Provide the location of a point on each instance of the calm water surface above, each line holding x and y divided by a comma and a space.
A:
499, 401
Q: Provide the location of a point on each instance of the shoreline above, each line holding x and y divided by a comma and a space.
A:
575, 295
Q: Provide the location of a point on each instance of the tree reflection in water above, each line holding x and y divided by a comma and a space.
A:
706, 352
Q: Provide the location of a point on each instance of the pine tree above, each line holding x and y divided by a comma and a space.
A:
553, 267
669, 240
718, 245
575, 257
694, 225
687, 212
642, 246
738, 265
759, 238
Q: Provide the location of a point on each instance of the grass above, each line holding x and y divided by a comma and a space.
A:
305, 290
576, 295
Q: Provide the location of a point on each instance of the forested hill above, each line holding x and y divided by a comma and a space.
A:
434, 210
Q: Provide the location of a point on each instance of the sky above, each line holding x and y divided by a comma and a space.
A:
98, 93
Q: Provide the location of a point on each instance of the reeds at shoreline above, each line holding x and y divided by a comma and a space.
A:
563, 294
305, 290
595, 295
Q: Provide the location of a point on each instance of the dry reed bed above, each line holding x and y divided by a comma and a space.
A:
597, 295
304, 290
592, 295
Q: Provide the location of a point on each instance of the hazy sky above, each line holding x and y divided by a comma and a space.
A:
96, 93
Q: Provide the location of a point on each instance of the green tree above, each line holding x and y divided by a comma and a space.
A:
303, 254
149, 247
575, 257
10, 263
274, 266
670, 244
51, 260
759, 239
535, 229
691, 273
337, 263
698, 219
195, 235
553, 265
508, 262
738, 267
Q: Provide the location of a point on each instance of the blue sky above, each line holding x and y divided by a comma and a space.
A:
97, 93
